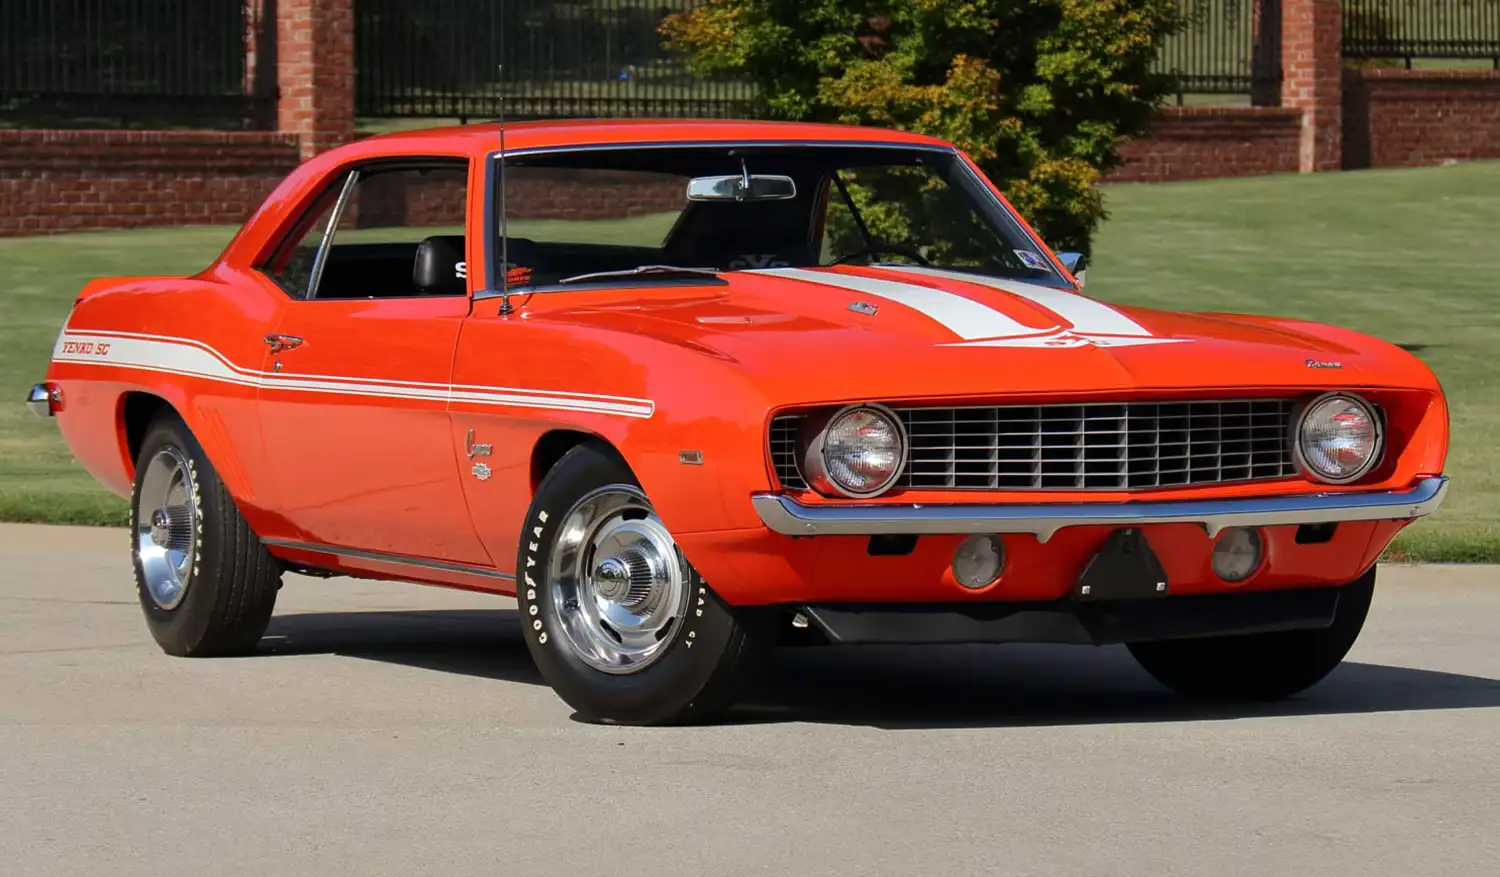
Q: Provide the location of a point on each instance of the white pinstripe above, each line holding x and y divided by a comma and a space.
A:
191, 358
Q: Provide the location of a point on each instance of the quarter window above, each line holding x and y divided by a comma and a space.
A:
381, 231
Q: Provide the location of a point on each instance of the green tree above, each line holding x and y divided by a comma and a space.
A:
1040, 93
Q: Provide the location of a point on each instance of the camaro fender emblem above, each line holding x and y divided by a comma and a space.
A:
1315, 363
863, 307
481, 471
473, 450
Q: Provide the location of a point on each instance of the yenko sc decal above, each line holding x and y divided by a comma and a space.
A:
194, 359
976, 324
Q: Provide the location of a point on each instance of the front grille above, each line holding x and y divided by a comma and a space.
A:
1094, 446
784, 452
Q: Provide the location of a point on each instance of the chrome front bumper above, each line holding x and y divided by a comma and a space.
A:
39, 401
787, 516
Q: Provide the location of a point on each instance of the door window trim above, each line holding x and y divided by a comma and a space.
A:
352, 173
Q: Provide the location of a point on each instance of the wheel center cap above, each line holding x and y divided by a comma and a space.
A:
161, 524
612, 578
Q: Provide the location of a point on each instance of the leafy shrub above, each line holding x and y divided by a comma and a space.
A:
1040, 93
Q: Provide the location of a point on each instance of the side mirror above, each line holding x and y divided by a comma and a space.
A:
743, 187
1075, 263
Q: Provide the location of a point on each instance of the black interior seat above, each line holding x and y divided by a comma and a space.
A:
738, 236
436, 268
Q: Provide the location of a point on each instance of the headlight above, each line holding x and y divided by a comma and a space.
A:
1337, 438
857, 452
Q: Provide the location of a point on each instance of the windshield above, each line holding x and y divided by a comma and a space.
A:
624, 215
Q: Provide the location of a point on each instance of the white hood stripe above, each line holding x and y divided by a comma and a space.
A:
1086, 315
964, 317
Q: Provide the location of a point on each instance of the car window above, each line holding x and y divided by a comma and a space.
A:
291, 264
397, 231
623, 215
611, 207
911, 215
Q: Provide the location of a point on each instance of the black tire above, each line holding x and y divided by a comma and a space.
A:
714, 650
232, 587
1260, 666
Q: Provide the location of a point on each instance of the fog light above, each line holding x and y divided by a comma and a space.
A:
978, 561
1237, 554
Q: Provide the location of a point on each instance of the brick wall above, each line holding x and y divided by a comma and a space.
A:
438, 199
57, 181
556, 193
1395, 118
1202, 142
1311, 65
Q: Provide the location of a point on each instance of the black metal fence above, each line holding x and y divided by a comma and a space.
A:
441, 58
1227, 47
136, 63
1407, 29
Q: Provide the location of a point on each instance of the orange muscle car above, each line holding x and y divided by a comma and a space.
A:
690, 389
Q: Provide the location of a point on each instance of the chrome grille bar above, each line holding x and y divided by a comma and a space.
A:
1090, 446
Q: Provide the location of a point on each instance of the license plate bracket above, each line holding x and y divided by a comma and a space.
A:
1124, 568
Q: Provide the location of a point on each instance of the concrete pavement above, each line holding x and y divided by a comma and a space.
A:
395, 729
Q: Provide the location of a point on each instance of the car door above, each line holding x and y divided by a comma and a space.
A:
353, 400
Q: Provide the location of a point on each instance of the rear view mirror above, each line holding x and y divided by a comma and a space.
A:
741, 187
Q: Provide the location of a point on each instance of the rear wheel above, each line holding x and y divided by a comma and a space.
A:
205, 582
1261, 666
619, 623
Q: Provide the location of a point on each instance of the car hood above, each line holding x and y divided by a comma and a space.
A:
830, 334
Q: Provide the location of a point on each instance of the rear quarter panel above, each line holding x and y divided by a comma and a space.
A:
111, 346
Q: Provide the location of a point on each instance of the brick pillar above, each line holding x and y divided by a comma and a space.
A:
1311, 63
315, 72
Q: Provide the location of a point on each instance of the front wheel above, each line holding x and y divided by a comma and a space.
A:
1260, 666
619, 623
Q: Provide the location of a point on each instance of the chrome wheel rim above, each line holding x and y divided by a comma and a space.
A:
617, 580
166, 531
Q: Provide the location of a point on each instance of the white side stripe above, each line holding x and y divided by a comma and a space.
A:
190, 358
966, 318
1087, 316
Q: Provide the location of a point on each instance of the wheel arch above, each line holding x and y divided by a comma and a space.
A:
138, 408
553, 445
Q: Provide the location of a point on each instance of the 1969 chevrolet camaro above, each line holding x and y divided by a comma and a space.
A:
690, 389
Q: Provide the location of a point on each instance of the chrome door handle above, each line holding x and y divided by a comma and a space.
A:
282, 342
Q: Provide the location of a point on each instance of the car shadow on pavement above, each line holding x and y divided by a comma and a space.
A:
891, 687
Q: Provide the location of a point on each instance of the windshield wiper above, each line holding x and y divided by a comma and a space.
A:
642, 269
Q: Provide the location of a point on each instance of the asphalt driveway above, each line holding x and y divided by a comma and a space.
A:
393, 729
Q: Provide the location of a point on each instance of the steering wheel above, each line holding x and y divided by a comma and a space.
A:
873, 249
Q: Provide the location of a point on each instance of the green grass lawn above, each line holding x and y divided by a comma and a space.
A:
1407, 255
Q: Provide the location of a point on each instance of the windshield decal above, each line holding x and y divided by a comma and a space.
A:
1032, 260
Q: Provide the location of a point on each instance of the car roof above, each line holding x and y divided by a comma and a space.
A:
483, 138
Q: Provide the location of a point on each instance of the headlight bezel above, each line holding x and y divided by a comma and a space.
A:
814, 466
1299, 421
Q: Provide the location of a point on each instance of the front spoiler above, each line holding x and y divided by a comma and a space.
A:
787, 516
1067, 621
